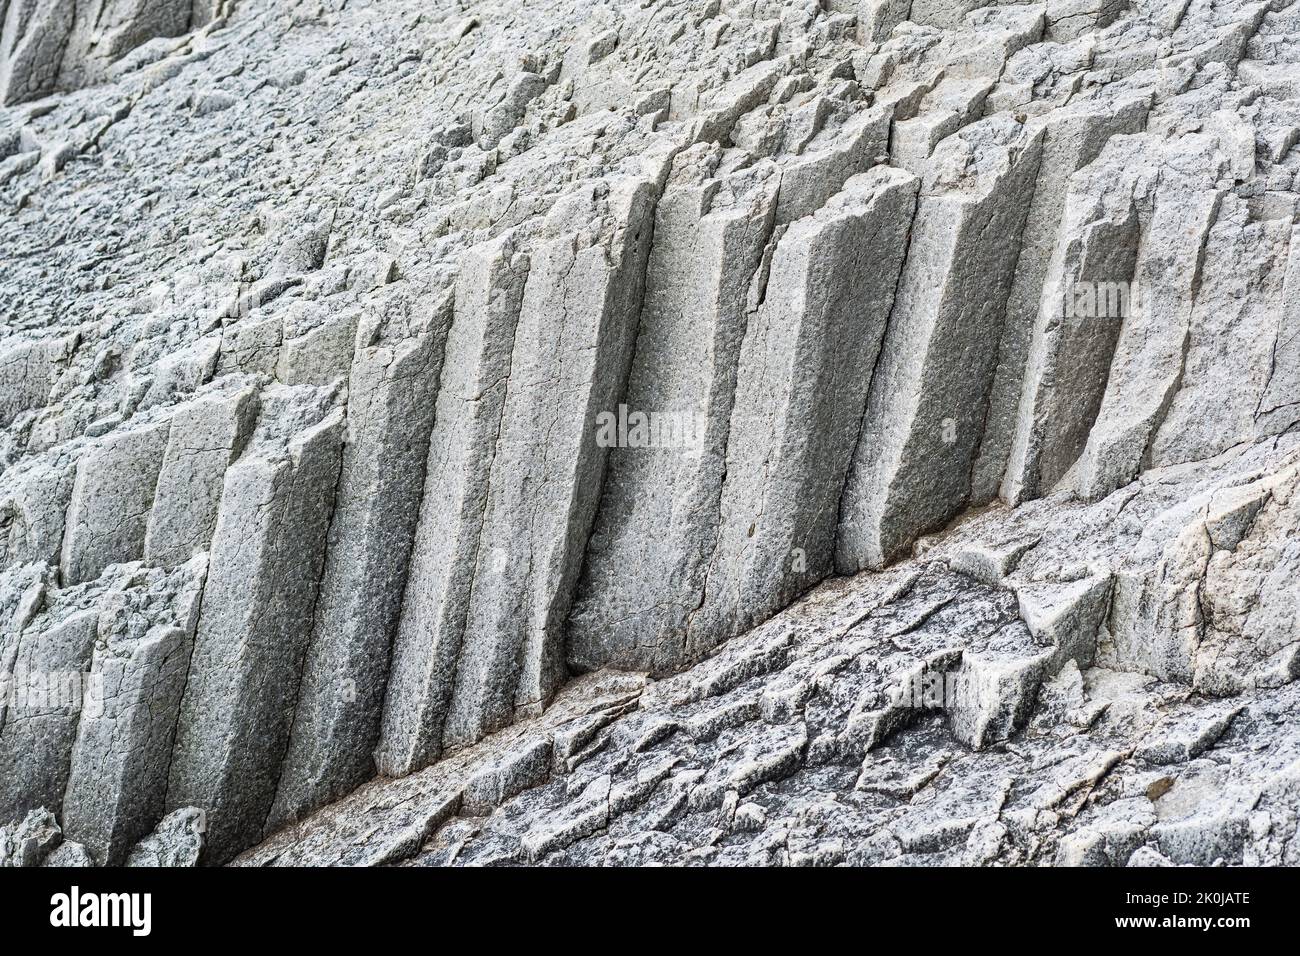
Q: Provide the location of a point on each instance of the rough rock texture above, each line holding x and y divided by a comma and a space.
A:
796, 432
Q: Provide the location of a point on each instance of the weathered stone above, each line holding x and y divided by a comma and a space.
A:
53, 45
178, 841
929, 392
117, 782
392, 385
1151, 352
655, 529
1073, 137
397, 319
33, 511
585, 292
801, 388
47, 687
31, 840
203, 439
467, 420
111, 501
255, 624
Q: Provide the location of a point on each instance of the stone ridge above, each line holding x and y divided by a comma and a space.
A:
627, 431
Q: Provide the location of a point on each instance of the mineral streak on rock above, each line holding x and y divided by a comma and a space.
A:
785, 432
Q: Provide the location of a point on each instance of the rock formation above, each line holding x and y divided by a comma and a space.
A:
798, 432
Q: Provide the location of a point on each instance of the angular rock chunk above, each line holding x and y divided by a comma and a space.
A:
252, 345
178, 841
27, 372
945, 14
1251, 589
52, 45
722, 107
111, 500
829, 159
118, 777
204, 438
1067, 616
876, 18
29, 841
1069, 19
34, 500
952, 104
32, 37
48, 688
23, 590
318, 344
1232, 332
69, 854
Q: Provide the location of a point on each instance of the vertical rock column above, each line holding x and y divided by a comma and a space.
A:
1151, 352
805, 369
467, 423
657, 522
117, 784
392, 386
911, 471
203, 439
47, 675
1279, 405
266, 562
1070, 350
573, 348
111, 501
1073, 137
1231, 350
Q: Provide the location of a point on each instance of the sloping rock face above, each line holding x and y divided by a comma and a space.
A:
672, 431
53, 45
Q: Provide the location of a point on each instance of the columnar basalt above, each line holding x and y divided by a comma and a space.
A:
649, 431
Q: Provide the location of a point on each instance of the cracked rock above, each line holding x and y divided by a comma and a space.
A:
623, 432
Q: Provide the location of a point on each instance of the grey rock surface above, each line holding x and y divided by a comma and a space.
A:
791, 432
176, 842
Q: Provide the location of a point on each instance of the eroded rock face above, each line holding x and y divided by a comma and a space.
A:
49, 45
681, 431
